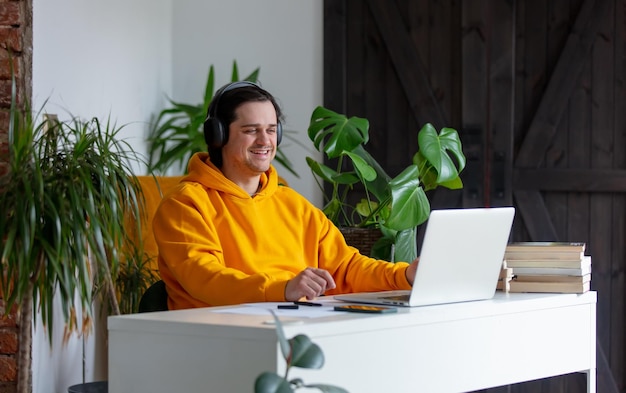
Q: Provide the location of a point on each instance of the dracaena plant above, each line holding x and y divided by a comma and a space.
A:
298, 351
397, 206
65, 192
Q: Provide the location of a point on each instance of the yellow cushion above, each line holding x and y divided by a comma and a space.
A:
153, 189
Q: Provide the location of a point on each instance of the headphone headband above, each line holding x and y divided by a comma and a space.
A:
212, 111
215, 131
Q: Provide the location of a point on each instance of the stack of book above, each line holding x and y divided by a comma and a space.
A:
555, 267
506, 275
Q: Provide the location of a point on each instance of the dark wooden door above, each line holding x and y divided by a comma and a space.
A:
537, 91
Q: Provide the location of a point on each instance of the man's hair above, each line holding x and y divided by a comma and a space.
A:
229, 101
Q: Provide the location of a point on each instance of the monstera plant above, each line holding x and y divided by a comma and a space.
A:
298, 351
396, 206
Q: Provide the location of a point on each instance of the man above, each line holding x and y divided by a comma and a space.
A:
230, 234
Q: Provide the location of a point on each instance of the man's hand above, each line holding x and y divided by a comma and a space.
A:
410, 271
309, 283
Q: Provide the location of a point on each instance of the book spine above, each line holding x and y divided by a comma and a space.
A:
552, 271
547, 263
558, 287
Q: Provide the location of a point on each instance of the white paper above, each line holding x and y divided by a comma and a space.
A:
302, 312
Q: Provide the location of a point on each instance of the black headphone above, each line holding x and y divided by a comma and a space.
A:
215, 131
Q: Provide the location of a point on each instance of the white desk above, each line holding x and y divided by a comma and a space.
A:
448, 348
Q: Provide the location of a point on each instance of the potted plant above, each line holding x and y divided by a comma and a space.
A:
64, 195
298, 351
395, 206
177, 134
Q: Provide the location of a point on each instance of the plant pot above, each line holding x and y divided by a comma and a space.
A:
90, 387
361, 238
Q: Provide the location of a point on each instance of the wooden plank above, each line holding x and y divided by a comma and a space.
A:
408, 65
606, 79
518, 231
530, 69
400, 125
441, 40
356, 80
419, 20
575, 180
335, 95
418, 17
562, 82
356, 83
602, 156
519, 101
334, 48
557, 154
532, 210
606, 381
475, 92
474, 74
501, 75
579, 142
618, 257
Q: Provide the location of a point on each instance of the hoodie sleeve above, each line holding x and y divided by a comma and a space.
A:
354, 272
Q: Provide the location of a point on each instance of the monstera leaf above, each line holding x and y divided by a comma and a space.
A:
337, 133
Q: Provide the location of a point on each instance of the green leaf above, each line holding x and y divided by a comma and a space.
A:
285, 345
435, 147
330, 175
454, 184
271, 383
343, 134
379, 186
208, 90
382, 248
69, 240
326, 388
409, 203
405, 245
366, 207
365, 171
305, 353
234, 76
332, 209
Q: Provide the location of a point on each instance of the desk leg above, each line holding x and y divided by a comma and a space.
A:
591, 380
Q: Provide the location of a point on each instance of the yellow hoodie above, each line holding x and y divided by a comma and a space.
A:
219, 246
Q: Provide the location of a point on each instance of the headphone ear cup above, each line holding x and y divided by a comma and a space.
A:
279, 133
215, 134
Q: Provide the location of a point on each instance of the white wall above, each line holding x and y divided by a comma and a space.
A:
124, 57
103, 58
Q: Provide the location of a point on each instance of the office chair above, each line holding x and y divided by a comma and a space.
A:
154, 299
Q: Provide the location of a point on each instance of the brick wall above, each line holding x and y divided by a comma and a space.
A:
8, 351
16, 40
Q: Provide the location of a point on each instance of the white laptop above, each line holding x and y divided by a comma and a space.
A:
460, 259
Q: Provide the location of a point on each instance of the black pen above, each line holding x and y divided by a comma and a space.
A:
301, 303
287, 306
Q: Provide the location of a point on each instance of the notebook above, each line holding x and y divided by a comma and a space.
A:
460, 259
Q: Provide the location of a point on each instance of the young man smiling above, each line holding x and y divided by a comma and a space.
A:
230, 234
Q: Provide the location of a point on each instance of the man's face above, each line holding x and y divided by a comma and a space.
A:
251, 145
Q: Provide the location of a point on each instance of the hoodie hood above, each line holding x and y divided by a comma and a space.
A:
202, 170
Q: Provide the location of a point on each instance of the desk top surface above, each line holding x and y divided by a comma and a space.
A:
236, 320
